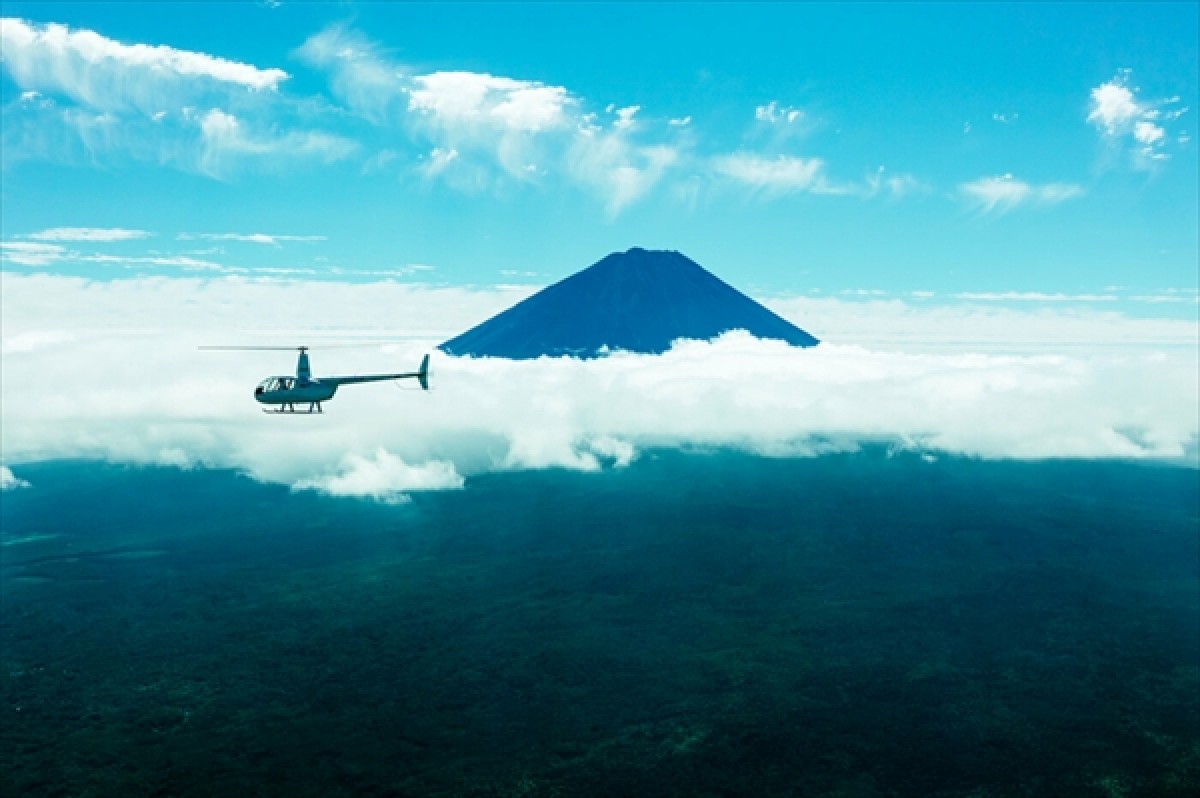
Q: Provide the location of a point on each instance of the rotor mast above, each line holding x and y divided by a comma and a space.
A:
303, 371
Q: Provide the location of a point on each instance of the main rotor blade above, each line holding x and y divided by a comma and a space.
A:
356, 345
258, 348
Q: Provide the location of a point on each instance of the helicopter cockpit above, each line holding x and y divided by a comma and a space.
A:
274, 384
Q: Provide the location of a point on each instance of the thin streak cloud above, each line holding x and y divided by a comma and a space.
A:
266, 239
92, 234
31, 253
1033, 296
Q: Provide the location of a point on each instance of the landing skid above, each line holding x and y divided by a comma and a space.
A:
290, 410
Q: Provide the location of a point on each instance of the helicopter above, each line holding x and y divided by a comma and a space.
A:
287, 392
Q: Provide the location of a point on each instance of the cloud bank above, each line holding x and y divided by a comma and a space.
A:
110, 371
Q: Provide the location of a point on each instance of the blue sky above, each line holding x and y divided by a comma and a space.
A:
978, 152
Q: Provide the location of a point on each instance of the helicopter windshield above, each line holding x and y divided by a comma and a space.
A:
274, 384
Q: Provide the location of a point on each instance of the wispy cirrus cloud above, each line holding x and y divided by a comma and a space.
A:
1004, 192
228, 141
87, 98
893, 185
102, 73
362, 76
616, 168
778, 174
775, 175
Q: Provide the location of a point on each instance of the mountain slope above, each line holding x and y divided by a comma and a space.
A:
638, 301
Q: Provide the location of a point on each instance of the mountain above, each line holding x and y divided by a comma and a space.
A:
638, 301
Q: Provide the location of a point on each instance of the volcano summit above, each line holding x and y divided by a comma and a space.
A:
637, 301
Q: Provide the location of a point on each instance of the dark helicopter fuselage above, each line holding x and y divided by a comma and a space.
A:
290, 390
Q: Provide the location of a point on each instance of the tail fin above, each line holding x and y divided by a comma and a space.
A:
423, 373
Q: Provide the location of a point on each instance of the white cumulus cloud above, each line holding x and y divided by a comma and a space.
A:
1114, 107
1148, 133
625, 117
9, 481
773, 113
383, 476
471, 99
1121, 115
